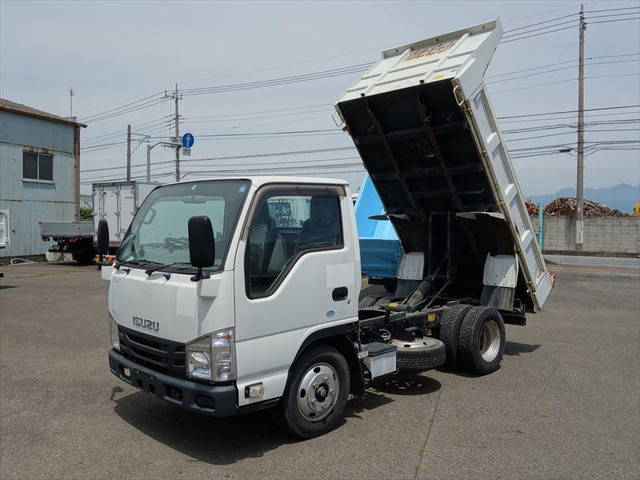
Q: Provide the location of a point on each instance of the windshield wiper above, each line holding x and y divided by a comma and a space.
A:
149, 271
140, 262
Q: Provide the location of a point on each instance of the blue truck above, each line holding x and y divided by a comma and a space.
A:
380, 247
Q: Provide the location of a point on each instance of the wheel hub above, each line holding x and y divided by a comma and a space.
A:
322, 392
318, 391
490, 341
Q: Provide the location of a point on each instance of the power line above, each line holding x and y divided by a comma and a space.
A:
89, 118
121, 131
612, 9
222, 118
567, 125
234, 87
572, 22
539, 14
615, 14
126, 99
563, 81
569, 111
131, 109
513, 72
509, 40
301, 152
220, 169
277, 110
330, 57
613, 21
571, 117
559, 69
239, 123
239, 157
540, 23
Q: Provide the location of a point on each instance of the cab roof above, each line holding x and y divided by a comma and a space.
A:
259, 180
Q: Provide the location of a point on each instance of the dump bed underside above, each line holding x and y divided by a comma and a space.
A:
420, 154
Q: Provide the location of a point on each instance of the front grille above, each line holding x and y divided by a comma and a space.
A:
161, 355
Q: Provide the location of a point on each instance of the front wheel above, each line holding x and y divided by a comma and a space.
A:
317, 394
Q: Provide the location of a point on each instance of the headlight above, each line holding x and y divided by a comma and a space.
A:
199, 358
113, 330
212, 357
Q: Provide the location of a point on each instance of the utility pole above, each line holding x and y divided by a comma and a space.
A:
177, 125
580, 173
71, 102
129, 153
176, 97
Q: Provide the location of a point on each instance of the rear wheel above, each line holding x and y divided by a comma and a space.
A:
316, 397
481, 340
450, 331
83, 257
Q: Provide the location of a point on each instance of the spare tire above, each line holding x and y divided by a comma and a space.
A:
419, 355
450, 330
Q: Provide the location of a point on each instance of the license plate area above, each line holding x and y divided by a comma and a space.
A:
138, 378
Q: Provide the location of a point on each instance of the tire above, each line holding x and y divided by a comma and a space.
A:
450, 331
83, 257
481, 340
324, 370
419, 355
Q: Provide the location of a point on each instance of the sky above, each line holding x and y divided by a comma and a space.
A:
118, 56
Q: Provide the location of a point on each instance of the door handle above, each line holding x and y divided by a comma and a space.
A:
339, 294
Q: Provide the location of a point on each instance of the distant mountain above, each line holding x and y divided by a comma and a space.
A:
622, 197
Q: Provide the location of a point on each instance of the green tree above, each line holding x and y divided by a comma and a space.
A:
86, 213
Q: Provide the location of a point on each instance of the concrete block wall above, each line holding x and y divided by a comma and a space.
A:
607, 235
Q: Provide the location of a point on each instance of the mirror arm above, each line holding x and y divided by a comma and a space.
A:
200, 275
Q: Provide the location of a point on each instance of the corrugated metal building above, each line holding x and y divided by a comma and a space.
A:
39, 175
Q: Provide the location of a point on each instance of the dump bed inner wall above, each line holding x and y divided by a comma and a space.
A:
417, 172
420, 153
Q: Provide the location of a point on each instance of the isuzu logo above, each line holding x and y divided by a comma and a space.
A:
145, 323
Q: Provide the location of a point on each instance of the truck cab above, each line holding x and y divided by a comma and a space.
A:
224, 339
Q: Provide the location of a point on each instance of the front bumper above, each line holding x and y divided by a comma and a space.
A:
212, 400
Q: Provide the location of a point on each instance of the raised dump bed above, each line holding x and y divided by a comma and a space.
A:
425, 129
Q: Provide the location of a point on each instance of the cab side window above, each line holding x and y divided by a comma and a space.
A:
283, 228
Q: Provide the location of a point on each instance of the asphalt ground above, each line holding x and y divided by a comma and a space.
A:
580, 260
564, 404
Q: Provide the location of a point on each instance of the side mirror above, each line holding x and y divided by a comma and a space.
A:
103, 237
201, 245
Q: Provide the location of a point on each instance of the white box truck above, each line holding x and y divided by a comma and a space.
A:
117, 203
216, 307
113, 202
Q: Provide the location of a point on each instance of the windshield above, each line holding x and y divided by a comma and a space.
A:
158, 233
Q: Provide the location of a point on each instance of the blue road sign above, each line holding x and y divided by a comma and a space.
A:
187, 140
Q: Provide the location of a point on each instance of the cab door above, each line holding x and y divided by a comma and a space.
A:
296, 272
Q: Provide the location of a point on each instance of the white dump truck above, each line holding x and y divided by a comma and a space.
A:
217, 307
113, 202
